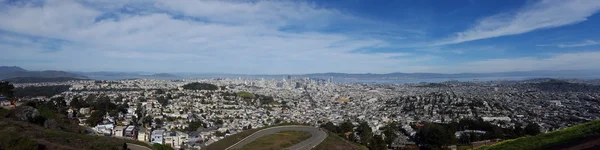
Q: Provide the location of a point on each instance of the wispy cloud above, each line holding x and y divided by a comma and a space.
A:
540, 15
578, 44
561, 61
220, 36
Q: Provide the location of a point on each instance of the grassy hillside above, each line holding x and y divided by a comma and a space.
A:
564, 138
279, 140
334, 142
232, 139
25, 135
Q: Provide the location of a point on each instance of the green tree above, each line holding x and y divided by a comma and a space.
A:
75, 103
433, 136
347, 126
194, 125
331, 127
158, 122
532, 129
95, 118
518, 131
365, 133
7, 89
352, 137
377, 143
390, 132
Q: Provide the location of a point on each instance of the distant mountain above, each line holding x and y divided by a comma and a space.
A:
397, 75
11, 69
14, 72
127, 75
162, 75
39, 79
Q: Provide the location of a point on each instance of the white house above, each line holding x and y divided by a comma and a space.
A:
176, 139
157, 136
118, 131
105, 129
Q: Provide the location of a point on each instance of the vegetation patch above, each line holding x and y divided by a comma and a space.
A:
46, 91
561, 138
279, 140
232, 139
245, 95
335, 142
200, 86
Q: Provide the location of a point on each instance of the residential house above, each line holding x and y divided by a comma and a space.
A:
158, 136
118, 131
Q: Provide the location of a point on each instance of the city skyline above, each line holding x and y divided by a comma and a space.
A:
299, 37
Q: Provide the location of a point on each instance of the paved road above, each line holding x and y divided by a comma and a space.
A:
317, 137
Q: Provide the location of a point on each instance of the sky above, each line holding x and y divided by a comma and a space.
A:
295, 37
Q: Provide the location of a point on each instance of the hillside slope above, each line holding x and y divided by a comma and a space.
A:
332, 142
584, 136
26, 135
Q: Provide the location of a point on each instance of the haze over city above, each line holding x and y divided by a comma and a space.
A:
295, 37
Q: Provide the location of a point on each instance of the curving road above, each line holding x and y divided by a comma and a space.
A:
317, 137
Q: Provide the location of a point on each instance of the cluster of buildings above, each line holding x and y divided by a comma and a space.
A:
172, 110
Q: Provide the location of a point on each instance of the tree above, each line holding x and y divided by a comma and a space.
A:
158, 122
95, 118
194, 125
352, 137
125, 146
532, 129
346, 126
365, 133
518, 131
433, 136
390, 133
147, 119
377, 143
75, 103
331, 127
7, 89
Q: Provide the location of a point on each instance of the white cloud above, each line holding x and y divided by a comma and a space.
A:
220, 36
578, 44
541, 15
563, 61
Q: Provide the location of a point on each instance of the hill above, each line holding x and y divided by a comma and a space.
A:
127, 75
334, 142
49, 130
39, 79
162, 75
14, 72
11, 69
583, 136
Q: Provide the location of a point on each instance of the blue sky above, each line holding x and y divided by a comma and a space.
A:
281, 37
